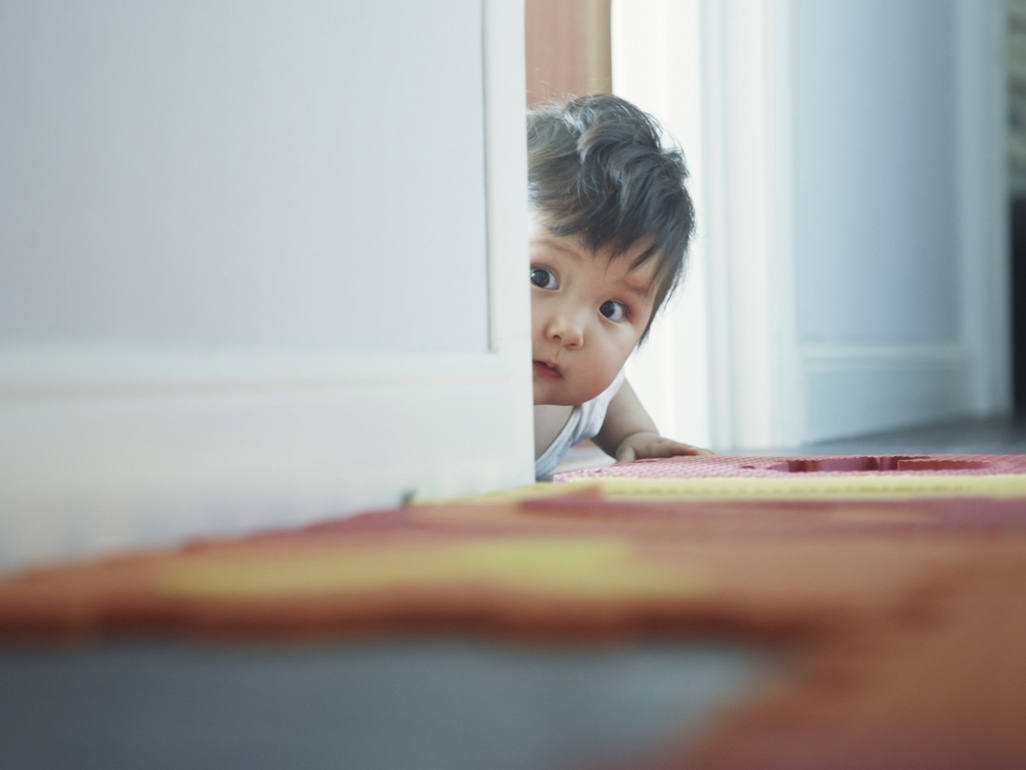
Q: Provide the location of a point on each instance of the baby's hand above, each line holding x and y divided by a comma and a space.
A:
642, 446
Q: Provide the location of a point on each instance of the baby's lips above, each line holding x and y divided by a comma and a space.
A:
546, 371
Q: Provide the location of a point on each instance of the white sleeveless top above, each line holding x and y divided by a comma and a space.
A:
585, 422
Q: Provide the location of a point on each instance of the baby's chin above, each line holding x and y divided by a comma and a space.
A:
572, 400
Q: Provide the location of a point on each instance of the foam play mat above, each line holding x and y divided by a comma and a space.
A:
902, 602
831, 475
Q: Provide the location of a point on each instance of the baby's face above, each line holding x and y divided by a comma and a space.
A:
588, 313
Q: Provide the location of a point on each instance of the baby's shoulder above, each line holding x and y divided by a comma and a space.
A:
549, 421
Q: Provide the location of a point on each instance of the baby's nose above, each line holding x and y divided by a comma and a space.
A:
567, 327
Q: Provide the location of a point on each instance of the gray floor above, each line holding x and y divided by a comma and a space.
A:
389, 705
995, 436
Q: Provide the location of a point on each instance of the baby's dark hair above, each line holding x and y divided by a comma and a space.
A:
597, 167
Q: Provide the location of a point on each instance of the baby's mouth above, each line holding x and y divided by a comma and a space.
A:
546, 371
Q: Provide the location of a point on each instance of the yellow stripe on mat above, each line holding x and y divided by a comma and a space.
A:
803, 486
819, 486
588, 569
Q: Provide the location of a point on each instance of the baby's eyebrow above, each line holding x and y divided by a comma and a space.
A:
642, 290
558, 245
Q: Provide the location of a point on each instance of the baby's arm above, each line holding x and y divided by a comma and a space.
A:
628, 433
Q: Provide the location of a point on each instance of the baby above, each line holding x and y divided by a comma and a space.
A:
610, 221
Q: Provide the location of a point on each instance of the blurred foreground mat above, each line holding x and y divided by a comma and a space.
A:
907, 614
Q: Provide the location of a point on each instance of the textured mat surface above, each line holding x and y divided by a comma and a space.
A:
720, 466
906, 615
879, 475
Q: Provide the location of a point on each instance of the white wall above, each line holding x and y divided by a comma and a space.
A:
899, 212
875, 148
852, 213
260, 263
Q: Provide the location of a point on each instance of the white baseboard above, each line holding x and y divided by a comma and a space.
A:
852, 390
146, 450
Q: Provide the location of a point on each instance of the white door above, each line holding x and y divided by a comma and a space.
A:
260, 263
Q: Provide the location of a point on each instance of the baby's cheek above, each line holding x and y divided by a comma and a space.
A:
537, 314
598, 382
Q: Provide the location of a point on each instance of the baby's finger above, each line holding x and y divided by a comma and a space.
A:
693, 451
677, 449
626, 455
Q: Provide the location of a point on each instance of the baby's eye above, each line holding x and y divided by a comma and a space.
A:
543, 279
614, 311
